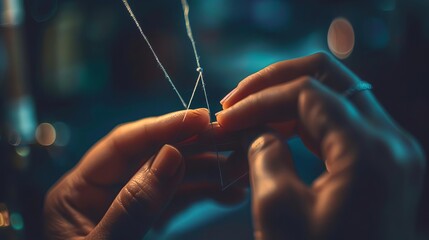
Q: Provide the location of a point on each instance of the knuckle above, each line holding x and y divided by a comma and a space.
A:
380, 158
322, 62
416, 157
413, 145
118, 129
346, 151
140, 197
258, 105
398, 155
382, 146
266, 73
307, 93
308, 84
322, 58
113, 139
382, 149
307, 81
269, 70
307, 100
322, 110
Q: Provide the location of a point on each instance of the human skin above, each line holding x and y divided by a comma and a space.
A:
134, 179
370, 190
374, 169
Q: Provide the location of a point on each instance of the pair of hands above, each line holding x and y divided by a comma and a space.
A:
370, 190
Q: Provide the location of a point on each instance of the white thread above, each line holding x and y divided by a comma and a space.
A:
185, 6
199, 69
200, 77
192, 96
153, 52
231, 183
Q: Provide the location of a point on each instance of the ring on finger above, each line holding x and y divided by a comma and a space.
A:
358, 87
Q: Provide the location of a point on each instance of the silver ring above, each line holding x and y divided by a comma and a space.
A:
358, 87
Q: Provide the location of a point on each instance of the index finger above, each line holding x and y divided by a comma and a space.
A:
321, 112
116, 157
320, 66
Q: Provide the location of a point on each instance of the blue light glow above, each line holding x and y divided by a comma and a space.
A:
16, 221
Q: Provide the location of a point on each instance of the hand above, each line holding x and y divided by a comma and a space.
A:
374, 168
122, 185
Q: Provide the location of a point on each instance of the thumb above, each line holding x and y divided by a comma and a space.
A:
279, 199
143, 198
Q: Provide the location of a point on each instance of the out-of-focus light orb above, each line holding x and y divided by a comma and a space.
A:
341, 38
23, 151
63, 134
12, 13
46, 134
16, 221
4, 216
14, 138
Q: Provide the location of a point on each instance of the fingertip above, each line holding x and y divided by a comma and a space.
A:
219, 116
220, 119
226, 101
227, 104
171, 152
226, 120
202, 115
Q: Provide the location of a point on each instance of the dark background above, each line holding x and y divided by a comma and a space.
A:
82, 67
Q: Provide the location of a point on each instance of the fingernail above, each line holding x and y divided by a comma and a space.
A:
167, 162
218, 114
228, 96
202, 109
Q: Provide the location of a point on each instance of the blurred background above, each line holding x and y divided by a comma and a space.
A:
71, 70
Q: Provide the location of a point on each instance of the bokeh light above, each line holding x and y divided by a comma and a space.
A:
341, 38
11, 12
14, 138
4, 216
16, 221
45, 134
23, 151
